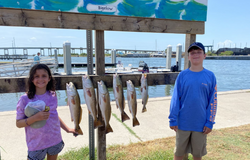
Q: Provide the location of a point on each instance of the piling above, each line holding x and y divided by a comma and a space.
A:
56, 58
67, 58
113, 56
168, 57
178, 56
25, 52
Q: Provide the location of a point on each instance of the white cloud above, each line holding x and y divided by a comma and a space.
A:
226, 43
32, 39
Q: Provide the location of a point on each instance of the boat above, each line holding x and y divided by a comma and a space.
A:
120, 69
22, 68
143, 67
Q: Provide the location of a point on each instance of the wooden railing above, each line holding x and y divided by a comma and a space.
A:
19, 84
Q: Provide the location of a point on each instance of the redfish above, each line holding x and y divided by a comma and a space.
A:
132, 102
74, 106
104, 103
90, 99
119, 96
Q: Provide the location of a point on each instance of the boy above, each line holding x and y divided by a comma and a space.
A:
193, 105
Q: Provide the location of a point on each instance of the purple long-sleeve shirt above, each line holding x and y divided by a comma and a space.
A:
48, 135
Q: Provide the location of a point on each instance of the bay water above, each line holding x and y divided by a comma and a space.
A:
230, 75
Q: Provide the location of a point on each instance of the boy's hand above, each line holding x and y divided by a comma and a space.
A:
175, 128
206, 130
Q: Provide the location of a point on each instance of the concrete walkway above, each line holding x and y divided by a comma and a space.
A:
233, 110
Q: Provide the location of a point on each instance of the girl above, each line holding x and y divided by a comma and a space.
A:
46, 140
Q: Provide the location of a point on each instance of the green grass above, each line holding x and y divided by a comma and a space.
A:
129, 129
226, 53
80, 154
223, 144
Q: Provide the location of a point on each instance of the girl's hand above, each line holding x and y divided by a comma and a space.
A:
71, 130
175, 128
42, 115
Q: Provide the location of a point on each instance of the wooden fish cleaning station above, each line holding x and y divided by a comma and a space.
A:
99, 23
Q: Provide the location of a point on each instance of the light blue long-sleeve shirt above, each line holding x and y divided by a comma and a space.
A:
194, 101
37, 59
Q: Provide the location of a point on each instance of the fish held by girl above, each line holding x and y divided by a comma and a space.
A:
74, 106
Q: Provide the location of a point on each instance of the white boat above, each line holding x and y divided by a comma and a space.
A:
22, 68
120, 69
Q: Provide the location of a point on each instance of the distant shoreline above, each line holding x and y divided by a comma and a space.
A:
228, 57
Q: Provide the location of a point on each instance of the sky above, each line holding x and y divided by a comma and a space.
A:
227, 25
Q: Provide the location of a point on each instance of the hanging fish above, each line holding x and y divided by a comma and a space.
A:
144, 91
119, 96
132, 102
104, 103
90, 99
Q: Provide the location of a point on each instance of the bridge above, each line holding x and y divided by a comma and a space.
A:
49, 50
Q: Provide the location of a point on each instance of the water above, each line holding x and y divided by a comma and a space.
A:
230, 74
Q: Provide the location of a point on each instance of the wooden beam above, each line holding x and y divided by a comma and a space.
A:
13, 85
99, 52
190, 38
69, 20
100, 70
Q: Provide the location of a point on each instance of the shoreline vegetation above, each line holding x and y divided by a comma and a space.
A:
209, 53
226, 143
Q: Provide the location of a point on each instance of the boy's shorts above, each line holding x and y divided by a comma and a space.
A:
41, 154
190, 142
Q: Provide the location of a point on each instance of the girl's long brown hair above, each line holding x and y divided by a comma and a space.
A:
32, 88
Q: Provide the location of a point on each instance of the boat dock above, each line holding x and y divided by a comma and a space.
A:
85, 64
17, 56
22, 68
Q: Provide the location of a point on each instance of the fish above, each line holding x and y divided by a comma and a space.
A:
119, 96
132, 102
144, 91
90, 99
74, 106
104, 103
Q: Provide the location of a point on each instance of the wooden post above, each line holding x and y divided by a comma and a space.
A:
99, 53
190, 38
100, 70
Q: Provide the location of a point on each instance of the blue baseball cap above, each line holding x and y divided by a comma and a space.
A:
196, 44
